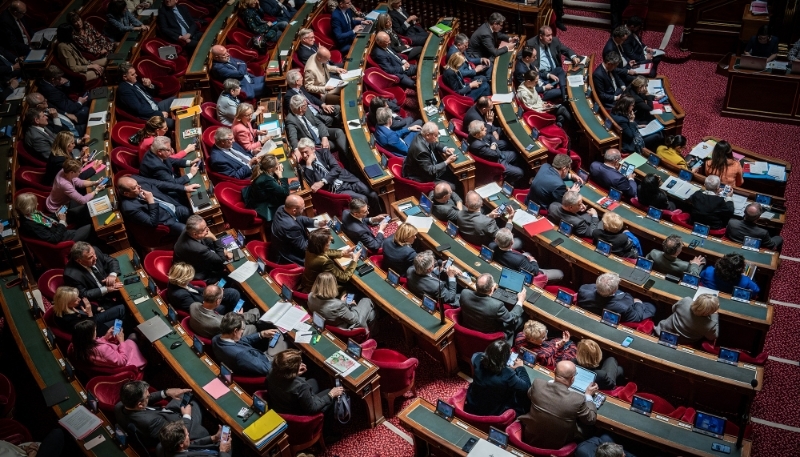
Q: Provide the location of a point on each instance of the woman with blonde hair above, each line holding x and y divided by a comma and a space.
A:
35, 224
693, 320
590, 357
324, 299
62, 150
452, 78
243, 131
268, 188
157, 126
181, 293
621, 241
548, 352
70, 309
65, 193
398, 250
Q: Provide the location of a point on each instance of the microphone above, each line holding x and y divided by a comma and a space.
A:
754, 383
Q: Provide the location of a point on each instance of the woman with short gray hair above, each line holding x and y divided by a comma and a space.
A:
35, 224
228, 102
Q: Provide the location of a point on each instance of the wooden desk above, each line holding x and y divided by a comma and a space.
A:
761, 95
520, 18
200, 63
597, 136
129, 45
286, 44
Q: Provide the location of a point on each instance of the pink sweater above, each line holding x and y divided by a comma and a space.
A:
65, 191
118, 355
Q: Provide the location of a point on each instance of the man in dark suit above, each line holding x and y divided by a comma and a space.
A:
625, 69
422, 165
393, 64
549, 55
487, 41
356, 225
226, 67
300, 123
39, 137
482, 313
58, 121
176, 25
330, 115
548, 88
157, 163
603, 446
15, 34
474, 65
446, 203
228, 158
605, 294
307, 46
407, 25
93, 273
507, 256
709, 207
667, 261
282, 12
635, 48
198, 247
424, 278
182, 297
478, 228
606, 174
176, 442
607, 84
289, 230
52, 87
548, 184
143, 203
738, 229
244, 355
137, 97
572, 210
483, 110
485, 146
345, 26
132, 409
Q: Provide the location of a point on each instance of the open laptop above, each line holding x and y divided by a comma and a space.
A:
368, 29
583, 379
752, 63
497, 437
610, 318
154, 328
510, 284
641, 405
668, 339
709, 424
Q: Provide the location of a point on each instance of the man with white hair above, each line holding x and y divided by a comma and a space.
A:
605, 294
224, 67
607, 175
330, 115
228, 158
157, 163
485, 146
478, 228
424, 278
507, 256
572, 210
395, 141
318, 71
423, 163
145, 202
301, 123
710, 206
391, 63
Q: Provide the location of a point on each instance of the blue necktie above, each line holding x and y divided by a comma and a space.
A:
181, 22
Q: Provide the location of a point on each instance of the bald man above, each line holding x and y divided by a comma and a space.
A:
289, 230
393, 63
558, 415
224, 66
318, 72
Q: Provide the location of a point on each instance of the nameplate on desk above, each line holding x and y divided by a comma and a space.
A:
579, 311
180, 329
82, 394
761, 304
626, 329
687, 350
141, 300
749, 366
543, 370
61, 362
208, 361
462, 425
684, 425
237, 390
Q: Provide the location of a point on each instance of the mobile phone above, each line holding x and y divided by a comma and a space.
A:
131, 280
62, 210
221, 283
187, 397
443, 247
117, 327
598, 400
275, 339
103, 181
648, 284
350, 298
694, 244
470, 444
627, 342
338, 381
721, 448
556, 242
238, 306
447, 264
386, 220
225, 436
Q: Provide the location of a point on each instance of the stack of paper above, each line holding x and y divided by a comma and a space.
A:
351, 75
180, 103
335, 82
244, 272
502, 98
421, 223
98, 118
99, 205
149, 12
265, 428
342, 363
522, 218
679, 188
319, 217
643, 69
488, 190
575, 80
484, 448
653, 127
285, 316
756, 168
705, 290
777, 171
18, 93
80, 422
739, 204
704, 149
655, 87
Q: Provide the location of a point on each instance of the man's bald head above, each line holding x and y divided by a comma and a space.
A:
126, 184
473, 201
441, 192
323, 54
565, 372
294, 201
218, 50
383, 40
35, 98
752, 212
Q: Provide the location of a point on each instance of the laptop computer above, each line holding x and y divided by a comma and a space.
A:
654, 213
486, 254
668, 339
603, 248
709, 424
610, 318
534, 208
510, 284
425, 204
752, 63
366, 30
763, 199
527, 277
317, 321
497, 438
583, 379
452, 229
154, 328
392, 277
444, 410
641, 405
752, 244
690, 281
729, 356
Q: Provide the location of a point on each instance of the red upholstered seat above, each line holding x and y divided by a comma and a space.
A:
49, 255
323, 32
358, 334
206, 341
122, 131
384, 85
106, 390
297, 64
157, 264
389, 154
260, 249
239, 37
397, 374
662, 406
445, 90
481, 422
303, 431
178, 64
126, 116
554, 290
291, 278
125, 160
149, 238
377, 259
514, 432
646, 326
404, 187
249, 56
458, 127
456, 106
469, 341
49, 281
328, 202
683, 219
208, 115
624, 393
236, 213
27, 158
665, 214
31, 177
14, 432
63, 339
208, 135
744, 356
487, 171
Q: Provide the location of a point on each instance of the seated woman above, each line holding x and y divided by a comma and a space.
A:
324, 299
62, 149
728, 273
71, 57
181, 293
650, 193
723, 164
250, 14
548, 352
398, 250
693, 320
632, 141
65, 192
590, 356
451, 77
290, 393
495, 386
407, 25
764, 44
642, 101
33, 223
384, 23
672, 151
530, 99
108, 350
321, 258
69, 309
87, 38
268, 188
621, 242
157, 126
243, 131
121, 21
228, 102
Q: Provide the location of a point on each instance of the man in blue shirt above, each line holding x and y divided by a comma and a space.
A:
225, 66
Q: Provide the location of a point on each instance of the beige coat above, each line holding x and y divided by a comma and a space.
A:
69, 55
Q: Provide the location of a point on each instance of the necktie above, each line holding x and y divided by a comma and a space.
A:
96, 273
622, 56
347, 18
550, 57
321, 169
311, 130
166, 206
394, 55
433, 156
146, 97
25, 37
238, 156
314, 108
613, 82
184, 26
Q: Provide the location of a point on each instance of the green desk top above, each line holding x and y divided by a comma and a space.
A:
287, 37
583, 110
47, 367
200, 55
445, 430
500, 85
102, 145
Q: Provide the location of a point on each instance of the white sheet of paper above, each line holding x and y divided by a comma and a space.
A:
653, 127
739, 203
334, 82
705, 290
352, 74
291, 318
522, 218
758, 168
643, 69
484, 448
767, 215
702, 150
421, 223
18, 93
268, 147
320, 217
80, 422
181, 102
98, 118
36, 55
94, 442
777, 171
275, 312
44, 33
149, 12
657, 52
302, 327
7, 232
488, 190
244, 271
303, 337
654, 86
373, 15
502, 98
575, 80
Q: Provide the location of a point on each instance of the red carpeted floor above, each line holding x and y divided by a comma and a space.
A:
700, 91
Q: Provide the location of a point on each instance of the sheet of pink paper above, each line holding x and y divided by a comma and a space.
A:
97, 170
216, 388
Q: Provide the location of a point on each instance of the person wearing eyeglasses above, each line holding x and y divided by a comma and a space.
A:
157, 163
245, 355
356, 225
198, 247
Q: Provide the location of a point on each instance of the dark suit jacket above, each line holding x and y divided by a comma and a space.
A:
304, 53
296, 396
168, 26
607, 177
399, 21
151, 215
291, 237
233, 69
515, 260
77, 276
54, 234
738, 229
603, 86
485, 314
445, 211
429, 285
628, 132
634, 48
674, 267
150, 422
166, 170
555, 412
484, 42
296, 128
11, 35
272, 8
419, 165
472, 114
583, 225
520, 68
358, 230
181, 298
392, 64
222, 163
397, 257
205, 255
241, 357
58, 99
335, 171
621, 303
133, 102
476, 227
557, 50
265, 195
343, 34
287, 97
643, 104
547, 186
483, 149
491, 394
611, 46
659, 200
455, 81
712, 210
202, 447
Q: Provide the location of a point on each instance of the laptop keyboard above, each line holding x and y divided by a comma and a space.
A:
506, 296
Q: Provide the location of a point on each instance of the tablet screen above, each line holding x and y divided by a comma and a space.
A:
583, 378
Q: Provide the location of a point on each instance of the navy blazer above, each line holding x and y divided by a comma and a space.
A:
611, 46
233, 69
621, 303
547, 186
419, 164
398, 258
154, 167
181, 299
312, 99
343, 33
607, 177
335, 171
241, 357
628, 129
134, 102
273, 8
395, 141
221, 162
557, 51
168, 26
455, 81
430, 285
634, 48
515, 260
520, 69
291, 237
490, 394
58, 99
392, 64
473, 114
483, 148
205, 255
484, 42
603, 86
151, 215
358, 230
305, 52
466, 69
7, 70
77, 276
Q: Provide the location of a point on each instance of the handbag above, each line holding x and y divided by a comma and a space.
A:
341, 408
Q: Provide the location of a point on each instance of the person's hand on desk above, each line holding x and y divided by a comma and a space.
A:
191, 187
358, 28
453, 271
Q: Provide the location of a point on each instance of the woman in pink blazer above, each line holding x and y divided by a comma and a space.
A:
243, 131
107, 351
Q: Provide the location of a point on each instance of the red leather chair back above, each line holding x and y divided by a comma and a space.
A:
468, 341
49, 255
26, 158
208, 134
260, 249
14, 432
49, 281
125, 160
457, 107
106, 390
63, 339
405, 187
122, 131
327, 202
487, 171
481, 422
297, 63
660, 405
157, 264
291, 278
148, 67
233, 208
31, 177
683, 219
646, 326
151, 46
126, 116
458, 127
358, 334
384, 84
206, 341
239, 37
208, 115
744, 356
624, 393
397, 371
323, 30
514, 432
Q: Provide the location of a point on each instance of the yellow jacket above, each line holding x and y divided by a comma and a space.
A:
672, 156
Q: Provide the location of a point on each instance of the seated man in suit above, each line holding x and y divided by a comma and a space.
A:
39, 138
422, 165
157, 163
550, 52
52, 86
205, 317
575, 412
176, 25
94, 274
282, 11
15, 34
318, 72
547, 88
605, 294
393, 64
738, 229
395, 141
607, 84
356, 225
424, 278
143, 203
487, 41
485, 146
474, 65
482, 313
57, 121
289, 230
606, 174
176, 442
667, 261
133, 409
244, 355
710, 207
224, 66
572, 210
507, 256
636, 49
307, 45
478, 228
301, 123
625, 69
136, 98
198, 247
446, 203
228, 158
548, 184
330, 115
483, 110
345, 25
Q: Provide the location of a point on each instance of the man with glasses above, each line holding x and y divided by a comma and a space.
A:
330, 115
59, 121
95, 274
423, 163
157, 164
309, 46
317, 73
39, 135
226, 67
289, 230
301, 123
245, 355
198, 247
137, 97
14, 31
143, 202
345, 25
356, 225
227, 157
